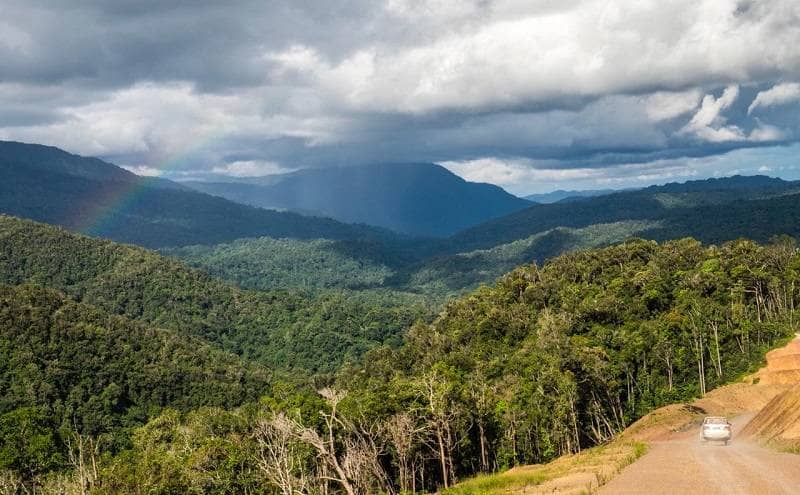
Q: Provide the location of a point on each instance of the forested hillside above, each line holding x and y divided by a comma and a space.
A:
551, 360
557, 358
714, 210
150, 333
68, 366
267, 263
97, 198
286, 330
565, 196
683, 208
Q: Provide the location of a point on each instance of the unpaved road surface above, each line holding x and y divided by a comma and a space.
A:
682, 464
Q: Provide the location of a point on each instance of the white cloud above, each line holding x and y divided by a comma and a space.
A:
523, 176
708, 123
163, 124
766, 133
250, 168
143, 170
571, 85
669, 105
542, 54
780, 94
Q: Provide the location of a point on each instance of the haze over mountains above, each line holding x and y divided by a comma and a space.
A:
562, 195
95, 197
416, 198
269, 249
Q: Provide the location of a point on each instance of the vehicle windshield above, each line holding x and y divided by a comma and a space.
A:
716, 421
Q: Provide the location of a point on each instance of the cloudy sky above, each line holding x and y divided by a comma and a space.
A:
532, 95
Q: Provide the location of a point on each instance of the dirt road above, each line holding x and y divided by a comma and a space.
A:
682, 464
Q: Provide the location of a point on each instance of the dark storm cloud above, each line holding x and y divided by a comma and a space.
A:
197, 85
215, 45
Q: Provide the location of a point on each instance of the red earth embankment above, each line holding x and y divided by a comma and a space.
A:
778, 423
783, 365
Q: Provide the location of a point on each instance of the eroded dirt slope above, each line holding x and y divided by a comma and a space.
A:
778, 423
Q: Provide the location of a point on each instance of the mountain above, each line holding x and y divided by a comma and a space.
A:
290, 331
732, 183
681, 208
715, 211
97, 198
562, 195
418, 198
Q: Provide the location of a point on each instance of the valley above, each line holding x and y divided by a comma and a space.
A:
538, 337
399, 247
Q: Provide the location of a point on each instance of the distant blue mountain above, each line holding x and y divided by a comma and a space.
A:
98, 198
682, 208
732, 183
562, 195
418, 198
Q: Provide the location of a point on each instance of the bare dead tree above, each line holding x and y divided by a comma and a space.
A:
377, 444
361, 461
349, 454
325, 444
441, 416
280, 455
405, 434
82, 452
10, 483
665, 351
698, 341
479, 393
714, 324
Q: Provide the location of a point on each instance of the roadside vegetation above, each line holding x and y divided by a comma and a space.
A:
580, 473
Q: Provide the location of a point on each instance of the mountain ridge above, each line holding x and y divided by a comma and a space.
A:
414, 198
98, 198
674, 202
567, 195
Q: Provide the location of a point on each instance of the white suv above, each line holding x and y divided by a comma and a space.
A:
716, 428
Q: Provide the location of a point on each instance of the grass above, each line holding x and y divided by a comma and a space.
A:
579, 473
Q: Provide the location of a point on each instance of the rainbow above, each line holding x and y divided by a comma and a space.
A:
101, 213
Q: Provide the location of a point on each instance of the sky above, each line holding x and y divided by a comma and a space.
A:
531, 95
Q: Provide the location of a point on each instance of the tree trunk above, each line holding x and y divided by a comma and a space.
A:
450, 467
716, 342
484, 461
442, 457
701, 368
669, 372
575, 426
